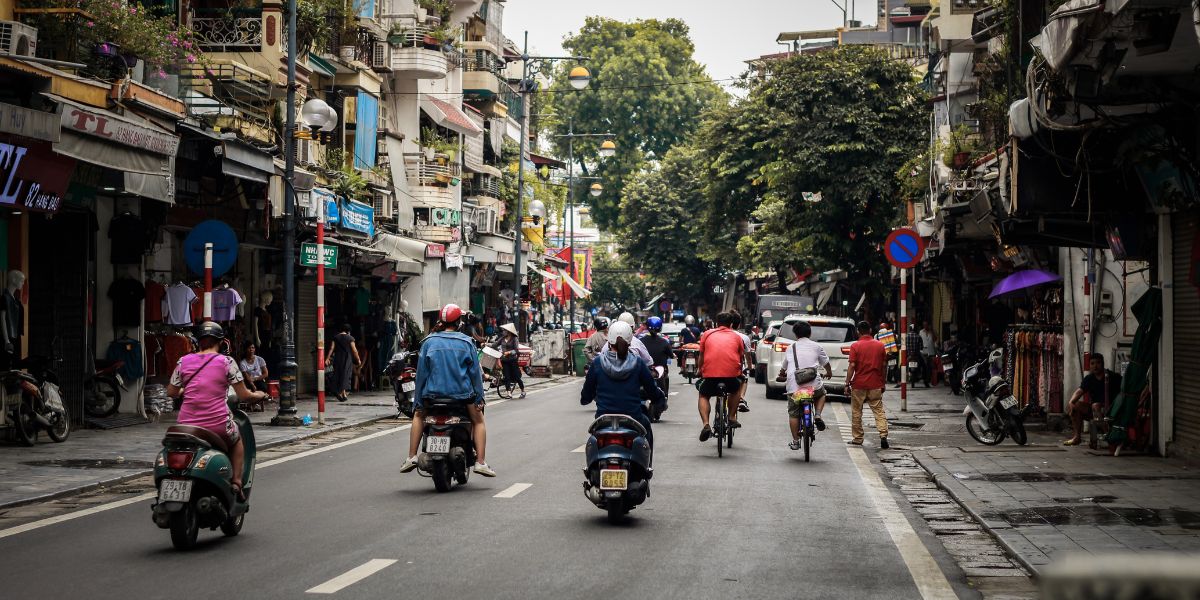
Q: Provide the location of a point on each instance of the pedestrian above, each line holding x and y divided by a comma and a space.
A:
913, 353
928, 352
343, 356
1093, 398
254, 368
865, 380
510, 356
891, 346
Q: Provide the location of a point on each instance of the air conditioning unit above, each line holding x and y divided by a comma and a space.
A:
304, 151
381, 54
385, 207
485, 220
18, 39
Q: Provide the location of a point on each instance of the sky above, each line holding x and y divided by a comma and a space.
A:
725, 34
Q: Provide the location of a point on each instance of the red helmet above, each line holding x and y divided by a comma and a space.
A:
451, 313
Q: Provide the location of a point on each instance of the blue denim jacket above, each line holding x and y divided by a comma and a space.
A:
448, 367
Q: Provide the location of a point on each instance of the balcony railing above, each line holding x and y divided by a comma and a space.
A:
225, 34
425, 172
513, 100
482, 185
481, 60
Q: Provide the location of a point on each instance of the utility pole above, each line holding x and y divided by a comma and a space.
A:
286, 414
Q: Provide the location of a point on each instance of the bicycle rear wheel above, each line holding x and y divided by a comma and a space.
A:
807, 437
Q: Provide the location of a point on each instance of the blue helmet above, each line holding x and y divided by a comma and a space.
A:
654, 324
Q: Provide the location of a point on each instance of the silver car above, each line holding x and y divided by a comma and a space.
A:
762, 351
834, 334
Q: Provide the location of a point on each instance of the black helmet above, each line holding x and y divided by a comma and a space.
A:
210, 329
600, 323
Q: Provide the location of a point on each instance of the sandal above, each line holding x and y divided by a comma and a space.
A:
1071, 442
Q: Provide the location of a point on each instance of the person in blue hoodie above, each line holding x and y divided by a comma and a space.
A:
615, 378
448, 369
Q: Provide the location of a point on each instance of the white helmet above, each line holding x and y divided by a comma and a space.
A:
689, 320
619, 329
627, 317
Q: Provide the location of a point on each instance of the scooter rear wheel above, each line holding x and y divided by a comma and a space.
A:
185, 526
103, 399
616, 512
441, 475
26, 425
988, 438
233, 525
1016, 430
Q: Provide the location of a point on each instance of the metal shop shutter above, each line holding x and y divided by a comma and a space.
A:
1186, 325
306, 335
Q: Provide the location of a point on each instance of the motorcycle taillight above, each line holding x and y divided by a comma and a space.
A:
614, 439
178, 461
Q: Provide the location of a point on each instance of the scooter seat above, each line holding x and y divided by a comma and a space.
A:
213, 440
617, 422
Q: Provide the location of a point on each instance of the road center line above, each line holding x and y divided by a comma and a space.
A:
580, 449
513, 490
352, 576
926, 574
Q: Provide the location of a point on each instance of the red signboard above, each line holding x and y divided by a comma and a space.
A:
32, 175
435, 251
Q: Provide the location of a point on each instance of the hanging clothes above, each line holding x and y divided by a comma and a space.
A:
177, 305
130, 239
225, 303
155, 292
198, 305
128, 351
127, 296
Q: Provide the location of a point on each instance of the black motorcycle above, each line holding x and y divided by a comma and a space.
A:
402, 371
447, 444
992, 411
658, 408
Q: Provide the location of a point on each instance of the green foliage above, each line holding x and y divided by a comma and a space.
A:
431, 137
350, 184
633, 68
840, 123
912, 178
156, 40
960, 141
614, 281
658, 232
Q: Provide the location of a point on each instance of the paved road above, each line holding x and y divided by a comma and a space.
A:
758, 523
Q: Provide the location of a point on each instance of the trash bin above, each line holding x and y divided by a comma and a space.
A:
579, 358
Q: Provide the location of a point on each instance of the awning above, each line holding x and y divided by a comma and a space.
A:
320, 65
399, 248
545, 273
483, 254
353, 246
577, 289
449, 116
244, 161
121, 143
540, 160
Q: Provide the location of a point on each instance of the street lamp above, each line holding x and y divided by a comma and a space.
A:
537, 210
580, 77
608, 149
596, 190
318, 115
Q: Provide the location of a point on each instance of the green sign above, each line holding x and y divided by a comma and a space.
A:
308, 255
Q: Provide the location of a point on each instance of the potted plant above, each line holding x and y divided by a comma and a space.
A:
958, 148
133, 33
349, 184
397, 35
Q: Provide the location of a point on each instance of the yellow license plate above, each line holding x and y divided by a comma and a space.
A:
614, 479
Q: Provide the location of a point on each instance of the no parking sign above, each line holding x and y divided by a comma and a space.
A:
904, 248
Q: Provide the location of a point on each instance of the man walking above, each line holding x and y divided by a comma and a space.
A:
865, 380
928, 351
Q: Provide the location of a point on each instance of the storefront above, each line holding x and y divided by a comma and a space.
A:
1183, 321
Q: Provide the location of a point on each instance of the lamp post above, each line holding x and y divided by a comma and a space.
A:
579, 78
286, 415
319, 117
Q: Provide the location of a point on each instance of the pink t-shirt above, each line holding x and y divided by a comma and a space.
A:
204, 396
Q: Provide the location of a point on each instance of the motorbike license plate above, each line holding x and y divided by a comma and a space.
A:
175, 490
1008, 402
614, 479
947, 367
408, 386
912, 364
691, 362
437, 444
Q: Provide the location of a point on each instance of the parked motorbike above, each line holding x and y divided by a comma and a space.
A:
915, 372
617, 475
32, 404
447, 444
992, 411
102, 391
192, 475
402, 371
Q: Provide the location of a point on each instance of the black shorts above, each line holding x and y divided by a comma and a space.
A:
709, 386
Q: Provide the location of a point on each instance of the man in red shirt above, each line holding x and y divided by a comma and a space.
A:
865, 380
722, 358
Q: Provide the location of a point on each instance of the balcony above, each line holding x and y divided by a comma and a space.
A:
481, 73
415, 56
432, 183
239, 32
484, 191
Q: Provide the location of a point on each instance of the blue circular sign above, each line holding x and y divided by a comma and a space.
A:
904, 248
225, 247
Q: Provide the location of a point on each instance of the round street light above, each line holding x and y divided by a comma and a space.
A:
318, 115
537, 210
596, 190
608, 149
579, 77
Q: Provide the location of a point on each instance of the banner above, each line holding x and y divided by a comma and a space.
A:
326, 198
32, 175
358, 217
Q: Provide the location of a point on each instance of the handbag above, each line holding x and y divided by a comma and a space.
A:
803, 376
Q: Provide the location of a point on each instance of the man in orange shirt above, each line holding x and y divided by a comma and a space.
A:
722, 358
865, 380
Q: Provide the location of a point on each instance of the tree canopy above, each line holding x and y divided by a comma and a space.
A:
639, 70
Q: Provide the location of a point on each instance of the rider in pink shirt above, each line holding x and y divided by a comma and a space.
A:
203, 379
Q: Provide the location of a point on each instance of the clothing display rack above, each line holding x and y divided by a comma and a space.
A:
1033, 365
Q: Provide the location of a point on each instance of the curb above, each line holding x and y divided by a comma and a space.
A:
264, 446
975, 516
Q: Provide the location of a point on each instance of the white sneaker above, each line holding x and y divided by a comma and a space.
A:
484, 470
409, 464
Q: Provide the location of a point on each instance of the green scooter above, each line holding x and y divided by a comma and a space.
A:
192, 476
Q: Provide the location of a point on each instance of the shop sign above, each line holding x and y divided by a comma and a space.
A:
103, 125
446, 217
504, 258
358, 217
454, 261
435, 251
32, 175
327, 198
30, 123
308, 255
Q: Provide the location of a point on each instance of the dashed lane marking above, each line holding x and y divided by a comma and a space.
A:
580, 449
352, 576
928, 577
513, 490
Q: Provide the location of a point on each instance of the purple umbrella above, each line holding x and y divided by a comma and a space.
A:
1023, 280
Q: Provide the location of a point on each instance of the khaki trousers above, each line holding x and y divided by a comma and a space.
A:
874, 398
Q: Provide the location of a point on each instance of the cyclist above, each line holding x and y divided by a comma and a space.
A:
448, 369
802, 360
722, 358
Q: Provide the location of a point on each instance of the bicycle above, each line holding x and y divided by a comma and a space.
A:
808, 430
720, 427
502, 387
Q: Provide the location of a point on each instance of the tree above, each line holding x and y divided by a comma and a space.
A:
646, 88
614, 282
839, 123
657, 229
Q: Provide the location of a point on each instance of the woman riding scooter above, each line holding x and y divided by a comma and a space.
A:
203, 379
616, 379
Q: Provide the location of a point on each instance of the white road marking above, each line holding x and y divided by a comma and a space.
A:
580, 449
513, 490
926, 574
352, 576
673, 394
33, 525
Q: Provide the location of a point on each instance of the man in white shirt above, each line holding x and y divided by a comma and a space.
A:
805, 354
928, 349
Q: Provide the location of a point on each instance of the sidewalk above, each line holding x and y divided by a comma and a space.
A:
93, 457
1044, 501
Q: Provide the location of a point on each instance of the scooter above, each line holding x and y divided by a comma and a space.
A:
992, 411
447, 444
689, 366
32, 404
660, 378
192, 476
402, 370
617, 475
